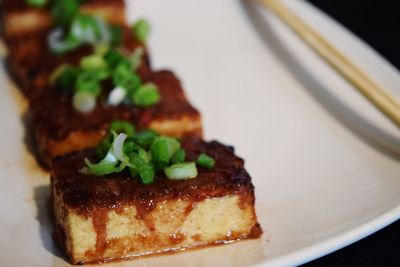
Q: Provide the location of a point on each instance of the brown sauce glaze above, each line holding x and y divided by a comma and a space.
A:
85, 193
64, 120
21, 5
32, 63
176, 238
100, 218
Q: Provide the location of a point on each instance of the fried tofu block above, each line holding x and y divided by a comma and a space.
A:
113, 217
20, 19
31, 63
59, 129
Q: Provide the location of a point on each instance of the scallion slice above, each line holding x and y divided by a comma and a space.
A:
205, 161
116, 96
87, 81
136, 58
146, 95
141, 29
105, 166
163, 148
145, 170
36, 3
93, 62
145, 138
59, 45
57, 73
122, 127
124, 76
83, 101
64, 11
181, 171
101, 49
118, 145
179, 156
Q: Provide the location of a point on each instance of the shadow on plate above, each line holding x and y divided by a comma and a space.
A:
357, 124
41, 196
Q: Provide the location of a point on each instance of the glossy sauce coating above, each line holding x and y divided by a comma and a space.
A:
85, 193
55, 118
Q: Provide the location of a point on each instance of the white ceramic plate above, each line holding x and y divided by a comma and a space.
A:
325, 163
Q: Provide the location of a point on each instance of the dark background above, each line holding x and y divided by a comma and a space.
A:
378, 24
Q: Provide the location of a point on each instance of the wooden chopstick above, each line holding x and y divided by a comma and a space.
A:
378, 96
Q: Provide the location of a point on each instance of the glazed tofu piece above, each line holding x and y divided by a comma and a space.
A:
105, 218
31, 63
19, 19
59, 129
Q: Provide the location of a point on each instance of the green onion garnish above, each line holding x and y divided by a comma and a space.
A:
64, 11
87, 81
101, 49
36, 3
141, 29
141, 154
146, 95
205, 161
136, 58
163, 148
66, 79
116, 96
145, 170
83, 101
105, 166
181, 171
179, 156
124, 77
145, 138
58, 44
123, 127
93, 62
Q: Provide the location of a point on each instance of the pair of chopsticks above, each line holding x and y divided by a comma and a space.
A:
377, 95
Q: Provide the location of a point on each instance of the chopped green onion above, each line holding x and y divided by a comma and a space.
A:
83, 101
93, 62
101, 74
122, 127
145, 138
101, 49
118, 145
114, 58
84, 29
123, 76
116, 35
64, 11
181, 171
146, 95
102, 30
146, 156
179, 156
66, 79
136, 58
59, 45
205, 161
116, 96
104, 146
88, 82
36, 3
55, 75
163, 148
105, 166
146, 171
141, 29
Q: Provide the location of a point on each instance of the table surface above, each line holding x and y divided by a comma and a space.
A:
376, 23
